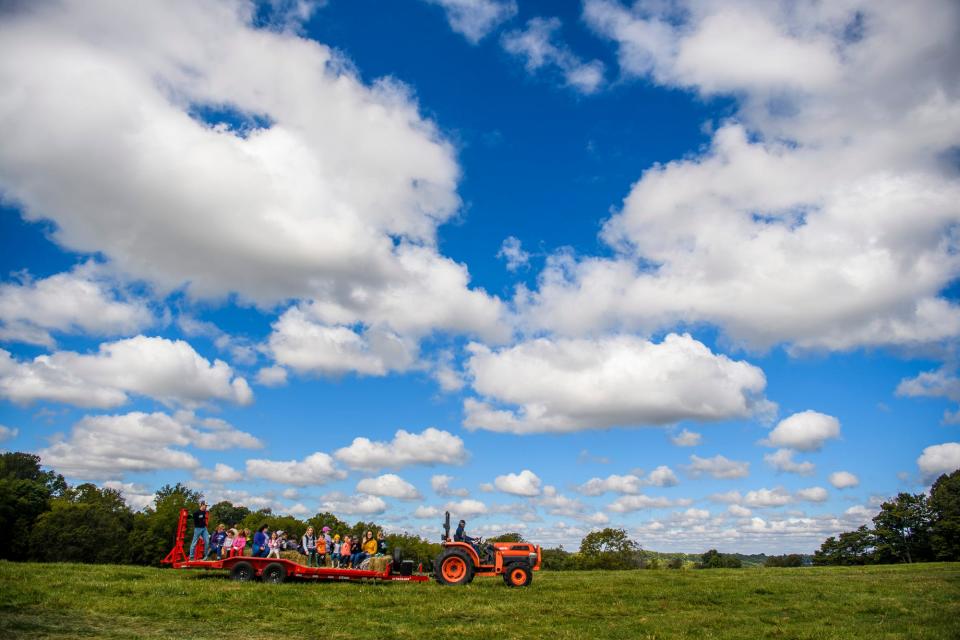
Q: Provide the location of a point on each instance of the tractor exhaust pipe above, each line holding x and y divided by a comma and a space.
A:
446, 527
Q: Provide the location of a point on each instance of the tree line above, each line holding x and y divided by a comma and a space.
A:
909, 528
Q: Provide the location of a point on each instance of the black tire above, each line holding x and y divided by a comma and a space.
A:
275, 573
518, 575
453, 567
242, 572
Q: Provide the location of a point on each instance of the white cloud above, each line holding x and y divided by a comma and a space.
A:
843, 480
423, 512
273, 376
316, 469
729, 497
813, 494
538, 47
307, 185
782, 460
431, 446
718, 467
738, 511
388, 485
135, 495
474, 19
8, 433
569, 385
361, 505
804, 431
465, 508
440, 484
939, 458
109, 446
512, 251
166, 370
220, 473
628, 504
941, 383
78, 301
558, 504
662, 476
525, 483
777, 497
686, 438
790, 227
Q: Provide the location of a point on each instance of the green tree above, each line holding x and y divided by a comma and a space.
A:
25, 493
849, 548
903, 527
15, 465
790, 560
945, 505
713, 559
155, 528
507, 537
87, 524
227, 513
609, 549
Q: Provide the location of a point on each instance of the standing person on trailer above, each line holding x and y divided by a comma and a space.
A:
309, 544
321, 552
328, 541
335, 554
200, 517
260, 538
345, 548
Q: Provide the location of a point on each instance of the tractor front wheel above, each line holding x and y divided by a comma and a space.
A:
454, 568
518, 576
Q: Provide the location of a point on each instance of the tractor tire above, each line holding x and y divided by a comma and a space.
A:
453, 568
242, 572
518, 575
275, 573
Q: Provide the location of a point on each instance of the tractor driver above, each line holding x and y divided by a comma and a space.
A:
461, 536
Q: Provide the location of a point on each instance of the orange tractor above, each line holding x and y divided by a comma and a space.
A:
459, 562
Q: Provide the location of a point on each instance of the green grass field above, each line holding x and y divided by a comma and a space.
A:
87, 601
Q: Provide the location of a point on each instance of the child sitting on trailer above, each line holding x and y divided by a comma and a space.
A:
274, 545
345, 551
228, 542
240, 542
335, 553
217, 540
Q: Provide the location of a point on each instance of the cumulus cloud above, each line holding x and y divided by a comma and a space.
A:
136, 496
167, 370
316, 469
941, 383
429, 447
511, 250
526, 483
8, 433
662, 476
308, 185
738, 511
776, 497
782, 460
362, 505
813, 494
843, 480
539, 46
109, 446
220, 473
474, 19
938, 459
465, 508
568, 385
718, 467
389, 486
423, 512
78, 301
791, 226
440, 483
804, 431
273, 376
557, 504
628, 504
686, 438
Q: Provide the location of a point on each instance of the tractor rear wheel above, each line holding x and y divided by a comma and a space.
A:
454, 568
518, 576
275, 573
242, 572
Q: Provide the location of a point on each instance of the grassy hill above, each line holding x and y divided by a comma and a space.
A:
90, 601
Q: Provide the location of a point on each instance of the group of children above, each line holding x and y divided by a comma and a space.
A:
345, 553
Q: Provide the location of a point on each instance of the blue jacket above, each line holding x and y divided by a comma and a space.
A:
259, 539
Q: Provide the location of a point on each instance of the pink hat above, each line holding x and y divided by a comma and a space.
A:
325, 529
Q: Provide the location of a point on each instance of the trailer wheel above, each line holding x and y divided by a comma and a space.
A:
518, 576
454, 568
242, 572
275, 573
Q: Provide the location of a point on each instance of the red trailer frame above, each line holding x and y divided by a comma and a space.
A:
245, 568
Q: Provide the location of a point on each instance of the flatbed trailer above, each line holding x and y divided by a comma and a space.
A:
245, 568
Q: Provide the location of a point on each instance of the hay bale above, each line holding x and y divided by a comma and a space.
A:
376, 563
295, 556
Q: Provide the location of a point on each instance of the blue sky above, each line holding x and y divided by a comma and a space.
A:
684, 268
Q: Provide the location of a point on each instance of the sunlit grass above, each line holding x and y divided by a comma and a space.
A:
85, 601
